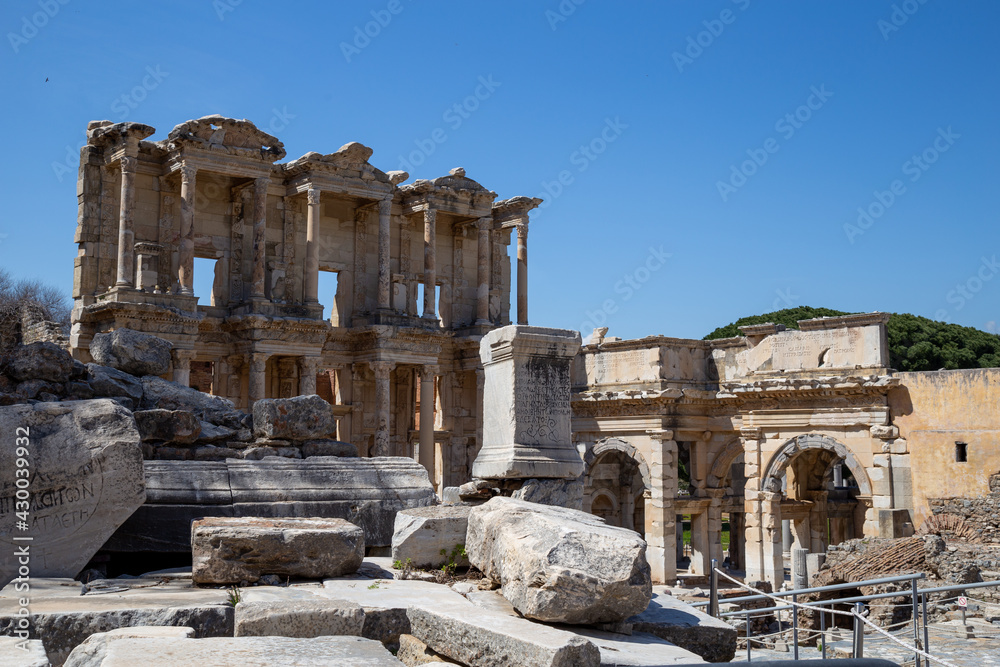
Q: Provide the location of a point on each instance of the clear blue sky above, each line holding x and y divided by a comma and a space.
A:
662, 119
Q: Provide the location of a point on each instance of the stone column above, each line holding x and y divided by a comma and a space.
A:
382, 371
522, 273
818, 523
182, 366
753, 512
700, 535
126, 233
258, 376
483, 291
233, 379
259, 236
774, 563
307, 375
715, 524
384, 273
430, 275
185, 273
661, 518
478, 409
310, 281
427, 453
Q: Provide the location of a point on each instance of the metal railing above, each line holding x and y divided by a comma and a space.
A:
918, 600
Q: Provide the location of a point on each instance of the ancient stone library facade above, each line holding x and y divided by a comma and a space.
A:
422, 271
791, 438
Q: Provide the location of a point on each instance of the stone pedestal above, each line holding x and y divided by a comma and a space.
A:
526, 404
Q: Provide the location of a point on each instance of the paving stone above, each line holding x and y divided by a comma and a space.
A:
299, 618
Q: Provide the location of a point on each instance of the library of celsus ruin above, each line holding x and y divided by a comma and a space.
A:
802, 438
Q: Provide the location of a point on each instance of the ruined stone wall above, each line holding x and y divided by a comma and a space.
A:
935, 410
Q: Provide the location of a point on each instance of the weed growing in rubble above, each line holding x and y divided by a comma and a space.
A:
234, 595
457, 554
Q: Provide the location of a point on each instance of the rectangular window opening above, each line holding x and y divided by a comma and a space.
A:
961, 452
328, 295
204, 280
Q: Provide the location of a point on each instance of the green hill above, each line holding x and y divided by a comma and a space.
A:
915, 343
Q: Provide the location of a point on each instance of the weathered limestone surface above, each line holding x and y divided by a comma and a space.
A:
107, 382
526, 406
412, 652
670, 619
328, 448
161, 394
482, 638
422, 533
93, 650
176, 426
228, 550
558, 492
639, 649
13, 655
559, 565
299, 618
248, 652
86, 479
365, 491
299, 418
131, 351
39, 361
63, 621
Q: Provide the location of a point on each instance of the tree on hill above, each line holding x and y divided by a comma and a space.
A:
47, 301
915, 343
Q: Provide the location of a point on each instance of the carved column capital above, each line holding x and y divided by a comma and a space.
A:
484, 224
188, 173
183, 356
382, 369
522, 231
258, 360
260, 184
428, 372
385, 206
128, 163
312, 196
309, 364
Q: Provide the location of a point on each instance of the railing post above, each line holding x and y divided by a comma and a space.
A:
916, 628
748, 635
713, 597
795, 628
858, 651
927, 645
822, 632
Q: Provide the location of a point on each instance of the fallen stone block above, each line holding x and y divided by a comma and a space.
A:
64, 623
175, 426
86, 479
158, 393
93, 650
16, 652
412, 652
670, 619
40, 361
298, 418
421, 535
482, 638
107, 382
368, 492
233, 550
559, 565
328, 448
299, 618
132, 352
212, 433
637, 650
247, 652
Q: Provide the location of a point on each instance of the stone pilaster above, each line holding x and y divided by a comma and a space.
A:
661, 521
522, 273
427, 453
360, 262
484, 225
182, 366
259, 236
185, 272
753, 512
384, 268
310, 281
715, 524
258, 377
430, 271
308, 366
234, 377
774, 563
383, 371
126, 231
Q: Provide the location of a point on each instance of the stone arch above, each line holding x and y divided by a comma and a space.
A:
618, 445
720, 467
771, 479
